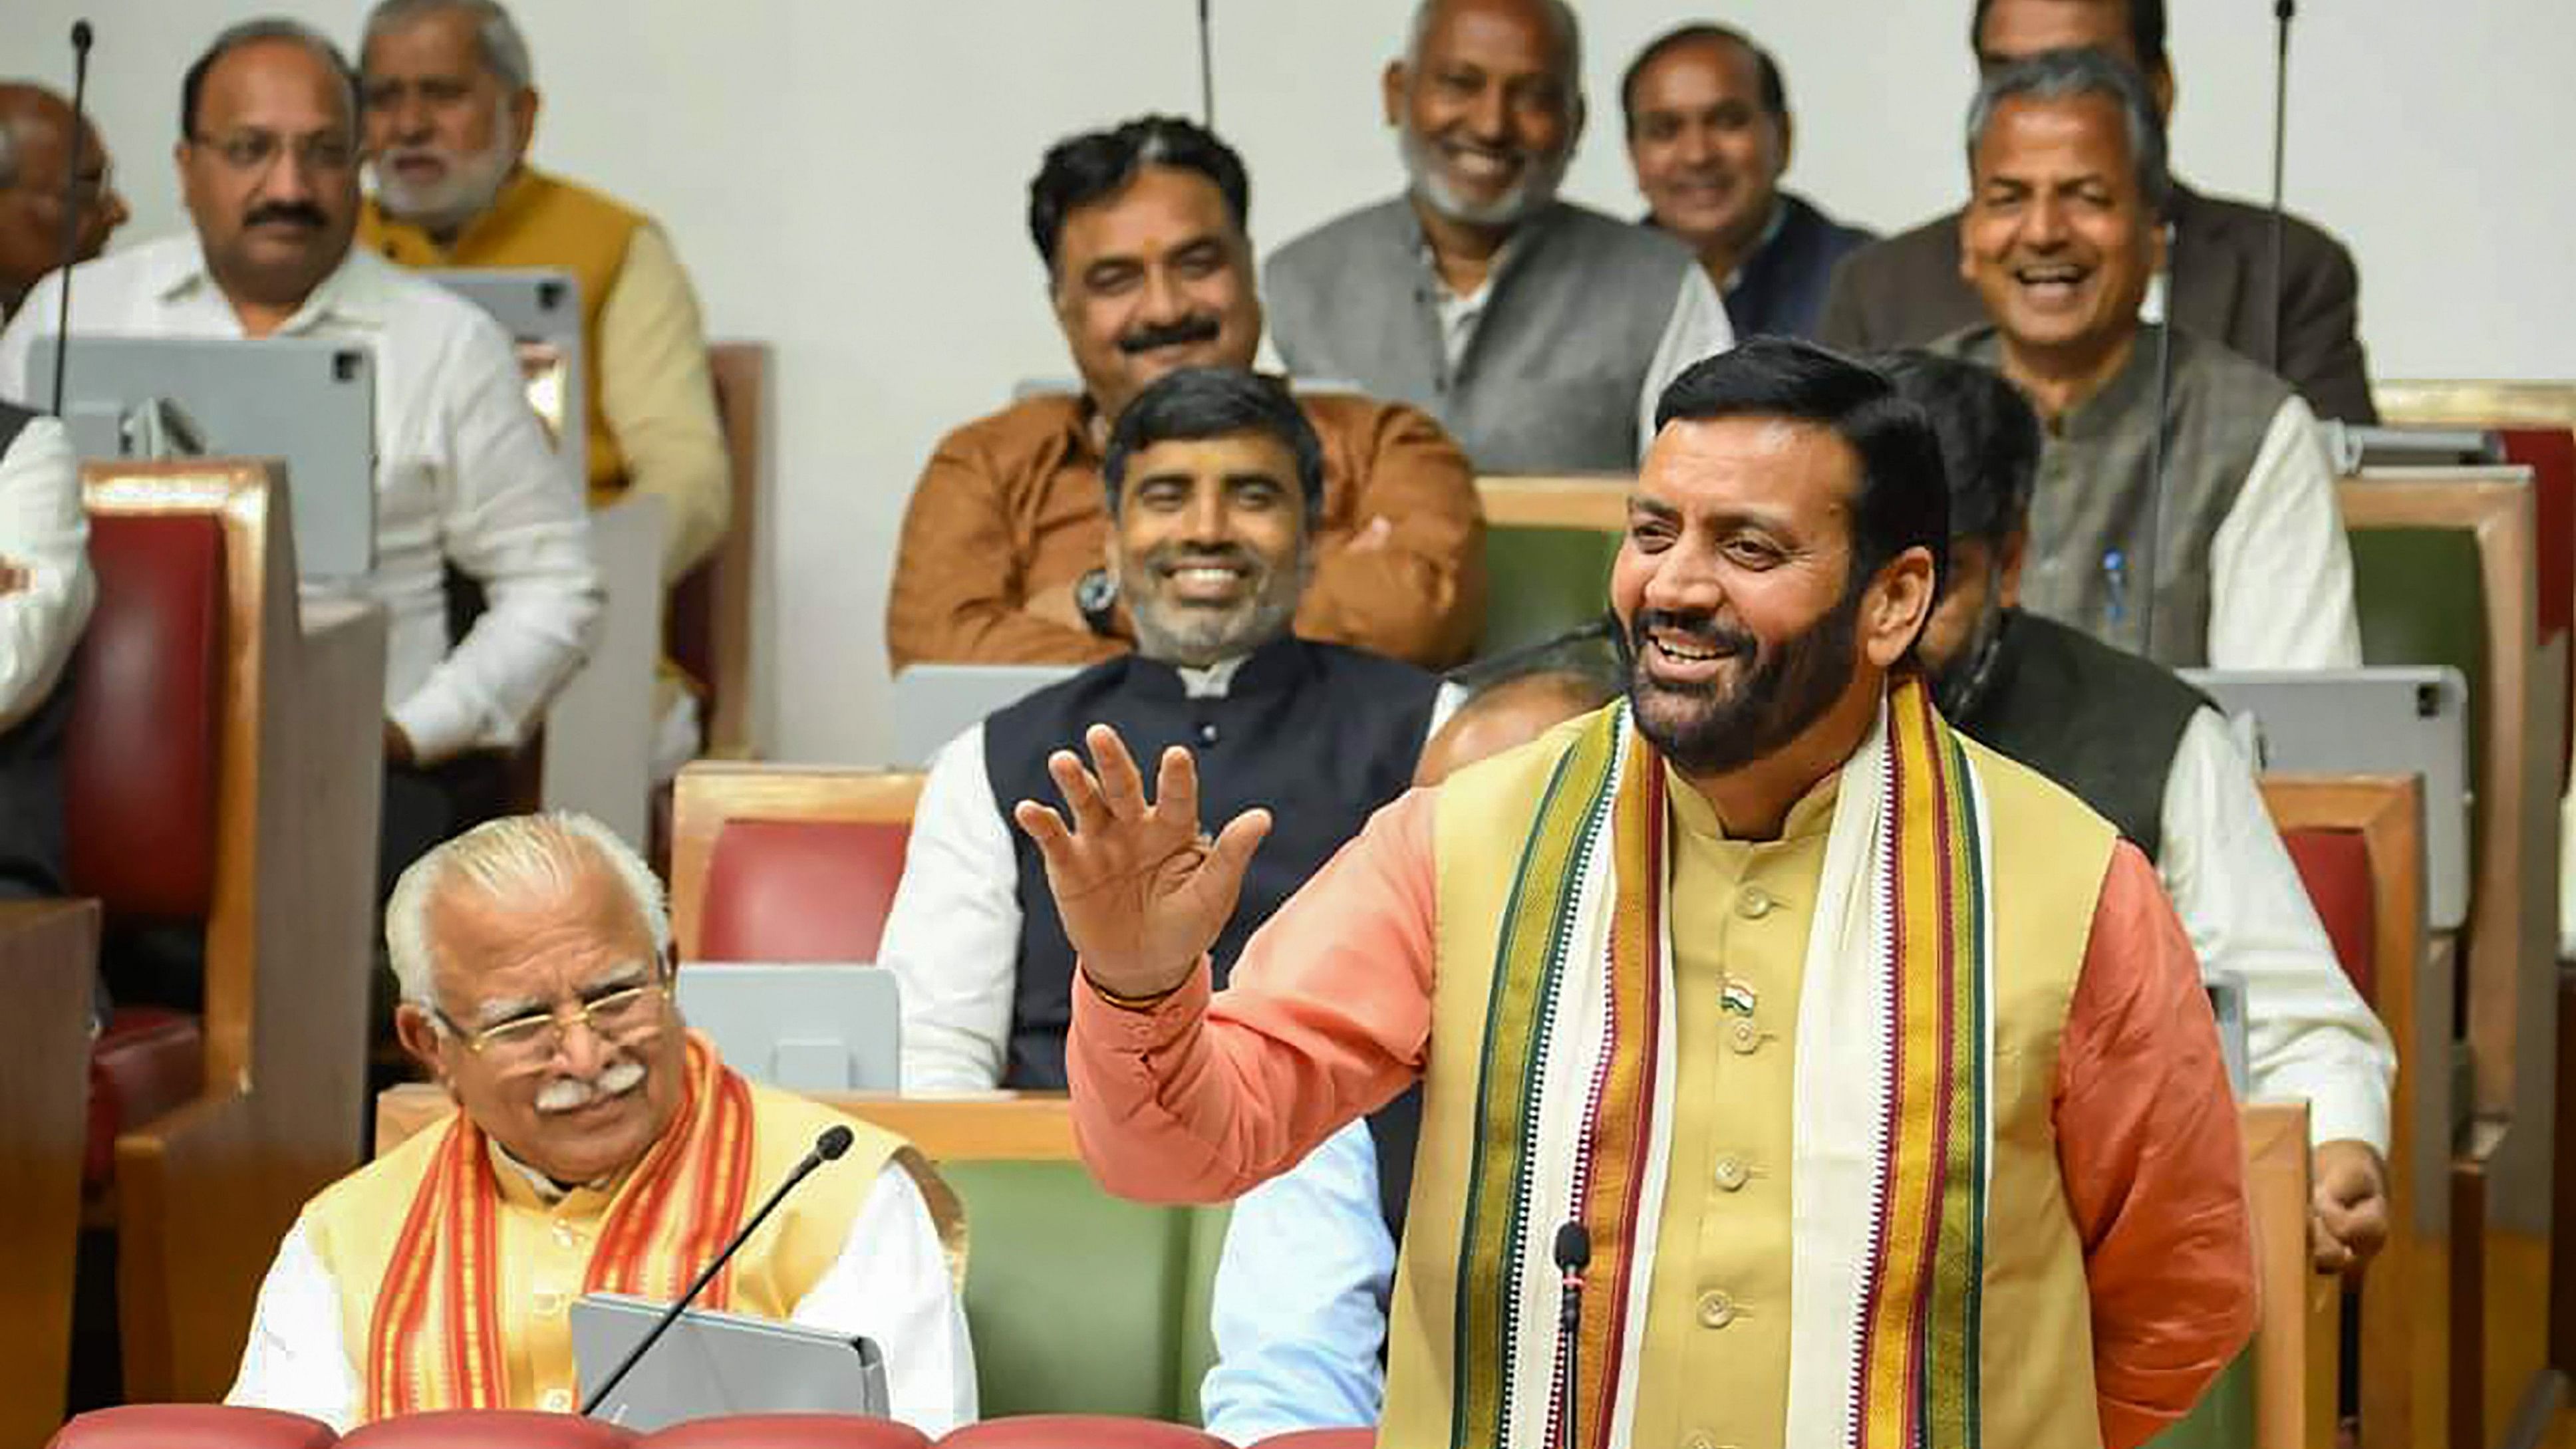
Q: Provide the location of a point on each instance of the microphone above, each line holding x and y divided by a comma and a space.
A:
835, 1140
71, 203
1207, 71
2282, 12
1573, 1255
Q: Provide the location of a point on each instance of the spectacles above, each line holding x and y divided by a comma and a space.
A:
252, 152
623, 1017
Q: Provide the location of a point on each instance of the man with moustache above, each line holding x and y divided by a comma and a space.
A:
1709, 137
1149, 269
2217, 279
1215, 486
1537, 331
268, 165
2185, 506
37, 150
1830, 1053
2152, 755
451, 108
597, 1145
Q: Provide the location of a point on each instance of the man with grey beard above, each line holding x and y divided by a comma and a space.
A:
451, 109
1538, 332
1215, 485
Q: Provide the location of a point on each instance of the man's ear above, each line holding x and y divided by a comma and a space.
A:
523, 119
420, 1040
2160, 89
1392, 84
1898, 604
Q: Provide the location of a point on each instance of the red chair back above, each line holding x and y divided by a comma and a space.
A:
141, 762
490, 1429
800, 890
198, 1426
2335, 867
1079, 1431
789, 1431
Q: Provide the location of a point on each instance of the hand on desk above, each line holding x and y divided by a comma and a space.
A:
1142, 892
2348, 1206
14, 577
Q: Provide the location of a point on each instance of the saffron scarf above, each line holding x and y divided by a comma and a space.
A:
434, 1340
1575, 1101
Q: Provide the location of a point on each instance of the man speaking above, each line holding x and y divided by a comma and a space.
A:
1859, 1079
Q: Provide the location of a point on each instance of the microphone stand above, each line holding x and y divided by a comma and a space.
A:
1207, 70
71, 203
2282, 13
834, 1141
1573, 1255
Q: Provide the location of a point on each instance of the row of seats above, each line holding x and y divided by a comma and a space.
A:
200, 1426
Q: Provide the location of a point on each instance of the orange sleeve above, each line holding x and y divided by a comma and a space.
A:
1418, 592
957, 595
1199, 1098
2154, 1168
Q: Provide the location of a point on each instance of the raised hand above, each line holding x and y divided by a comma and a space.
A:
1143, 893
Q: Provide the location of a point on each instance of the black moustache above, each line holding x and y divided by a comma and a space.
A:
300, 215
1176, 334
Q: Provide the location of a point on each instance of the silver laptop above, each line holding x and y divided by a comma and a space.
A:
540, 307
713, 1363
307, 400
820, 1029
935, 703
2380, 721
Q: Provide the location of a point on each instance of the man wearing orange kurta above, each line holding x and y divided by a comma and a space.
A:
1862, 1077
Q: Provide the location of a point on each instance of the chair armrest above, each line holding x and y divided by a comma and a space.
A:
48, 956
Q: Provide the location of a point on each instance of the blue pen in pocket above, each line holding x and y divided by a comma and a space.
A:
2115, 578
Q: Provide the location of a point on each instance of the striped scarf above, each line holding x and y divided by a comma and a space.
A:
435, 1341
1575, 1091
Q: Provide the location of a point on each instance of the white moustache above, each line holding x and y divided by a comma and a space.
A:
571, 1094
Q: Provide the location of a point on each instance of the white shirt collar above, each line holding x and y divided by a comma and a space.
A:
1212, 682
357, 293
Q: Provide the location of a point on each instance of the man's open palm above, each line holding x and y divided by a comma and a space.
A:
1142, 892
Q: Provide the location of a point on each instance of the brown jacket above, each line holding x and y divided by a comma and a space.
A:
1906, 291
1012, 506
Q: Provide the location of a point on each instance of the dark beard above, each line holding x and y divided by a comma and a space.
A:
1789, 687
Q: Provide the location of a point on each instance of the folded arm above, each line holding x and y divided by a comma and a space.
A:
1406, 578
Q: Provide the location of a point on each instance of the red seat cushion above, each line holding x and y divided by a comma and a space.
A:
198, 1426
147, 1063
794, 890
789, 1431
1078, 1431
2335, 867
1322, 1439
139, 766
489, 1429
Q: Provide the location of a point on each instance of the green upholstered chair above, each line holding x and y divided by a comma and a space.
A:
1541, 582
2421, 602
1081, 1303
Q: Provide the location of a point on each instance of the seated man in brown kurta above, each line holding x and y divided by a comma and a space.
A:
1150, 269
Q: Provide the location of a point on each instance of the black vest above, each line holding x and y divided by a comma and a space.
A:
1319, 734
31, 773
2099, 721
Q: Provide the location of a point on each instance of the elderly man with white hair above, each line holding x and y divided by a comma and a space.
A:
598, 1146
1538, 332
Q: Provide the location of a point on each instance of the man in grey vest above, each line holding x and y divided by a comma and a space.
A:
2300, 319
2186, 507
2150, 754
1538, 332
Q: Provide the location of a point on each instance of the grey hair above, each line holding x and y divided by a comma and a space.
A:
250, 32
505, 50
1569, 34
504, 858
2058, 75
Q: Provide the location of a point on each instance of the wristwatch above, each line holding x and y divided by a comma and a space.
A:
1096, 595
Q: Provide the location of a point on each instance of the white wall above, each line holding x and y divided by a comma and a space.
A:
846, 178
